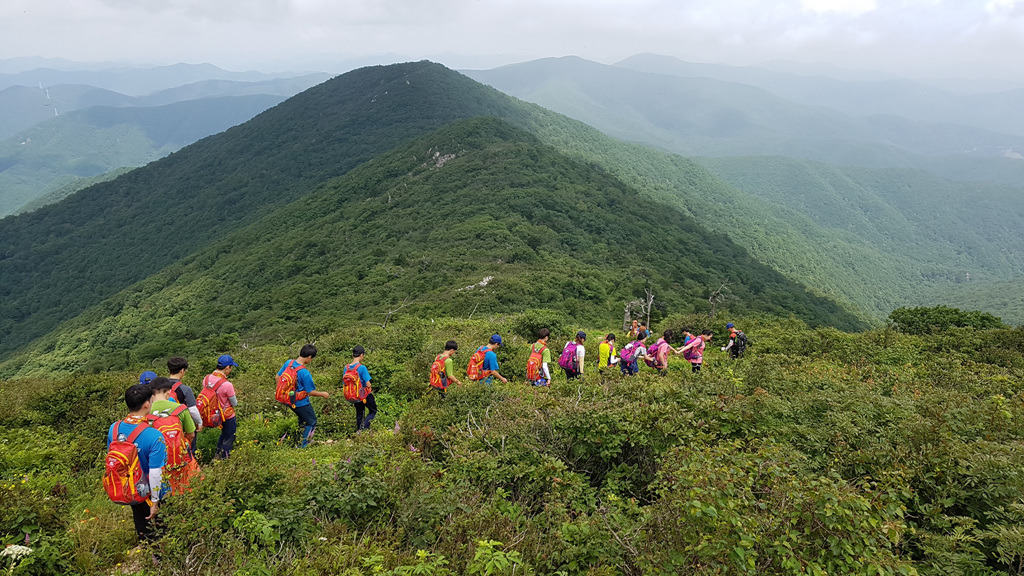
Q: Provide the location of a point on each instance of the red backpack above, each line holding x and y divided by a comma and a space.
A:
174, 437
352, 384
475, 370
287, 385
438, 377
122, 478
208, 403
536, 362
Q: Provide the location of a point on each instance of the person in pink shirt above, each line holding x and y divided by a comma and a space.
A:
694, 351
226, 403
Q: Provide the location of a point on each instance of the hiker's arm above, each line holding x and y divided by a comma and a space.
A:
233, 400
729, 345
500, 377
196, 417
454, 379
189, 436
547, 372
319, 394
155, 482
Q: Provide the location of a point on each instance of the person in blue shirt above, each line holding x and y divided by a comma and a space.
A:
490, 366
304, 388
363, 419
152, 455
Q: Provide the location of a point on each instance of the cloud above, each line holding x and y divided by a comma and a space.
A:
922, 36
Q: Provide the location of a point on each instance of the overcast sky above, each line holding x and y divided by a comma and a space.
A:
942, 38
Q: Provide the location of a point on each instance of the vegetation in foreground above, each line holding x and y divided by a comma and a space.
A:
820, 452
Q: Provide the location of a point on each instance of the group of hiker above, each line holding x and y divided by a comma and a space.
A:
151, 453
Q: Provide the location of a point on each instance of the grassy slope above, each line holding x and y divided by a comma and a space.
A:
872, 453
481, 199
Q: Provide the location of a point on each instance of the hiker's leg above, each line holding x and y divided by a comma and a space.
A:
307, 416
227, 437
360, 410
143, 527
371, 405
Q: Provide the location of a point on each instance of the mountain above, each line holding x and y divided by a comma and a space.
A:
994, 110
22, 107
133, 81
701, 116
512, 225
81, 145
64, 258
912, 224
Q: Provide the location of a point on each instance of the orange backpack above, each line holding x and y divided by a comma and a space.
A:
438, 377
174, 437
287, 383
208, 403
352, 384
122, 478
475, 369
533, 365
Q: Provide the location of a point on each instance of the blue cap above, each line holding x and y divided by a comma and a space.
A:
729, 325
147, 377
581, 335
225, 361
496, 339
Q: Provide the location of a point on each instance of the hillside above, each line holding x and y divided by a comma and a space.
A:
867, 454
57, 261
90, 142
413, 229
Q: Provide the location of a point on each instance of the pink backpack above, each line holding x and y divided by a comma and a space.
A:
568, 358
628, 352
653, 362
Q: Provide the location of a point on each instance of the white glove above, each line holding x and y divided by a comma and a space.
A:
723, 348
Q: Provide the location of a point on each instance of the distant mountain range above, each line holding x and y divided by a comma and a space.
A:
741, 112
54, 136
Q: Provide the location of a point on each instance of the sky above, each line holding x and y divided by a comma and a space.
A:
918, 38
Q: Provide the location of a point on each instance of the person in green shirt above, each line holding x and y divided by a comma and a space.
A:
538, 372
164, 403
442, 373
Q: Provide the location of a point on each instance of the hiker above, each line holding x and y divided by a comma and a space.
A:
173, 420
643, 330
737, 342
356, 385
658, 352
606, 357
135, 459
217, 403
537, 371
442, 374
573, 354
176, 368
303, 387
634, 329
483, 365
631, 354
694, 351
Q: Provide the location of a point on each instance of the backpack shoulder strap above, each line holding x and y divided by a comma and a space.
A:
177, 411
135, 433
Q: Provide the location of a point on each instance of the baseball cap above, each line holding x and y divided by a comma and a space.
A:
496, 339
729, 325
226, 360
581, 335
147, 377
